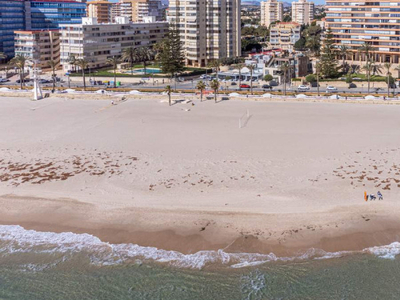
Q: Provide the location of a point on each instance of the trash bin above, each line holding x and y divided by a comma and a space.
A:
118, 83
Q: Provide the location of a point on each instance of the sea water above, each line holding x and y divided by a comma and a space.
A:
45, 265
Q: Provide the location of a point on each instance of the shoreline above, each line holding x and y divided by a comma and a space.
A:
373, 227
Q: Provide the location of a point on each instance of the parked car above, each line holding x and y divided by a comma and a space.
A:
303, 88
44, 81
4, 80
331, 89
233, 83
244, 86
267, 87
273, 83
205, 77
352, 86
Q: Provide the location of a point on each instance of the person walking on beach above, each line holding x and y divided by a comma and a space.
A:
380, 196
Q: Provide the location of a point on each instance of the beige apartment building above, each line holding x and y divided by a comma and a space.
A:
138, 9
271, 11
209, 29
302, 12
284, 35
121, 9
101, 10
97, 42
356, 22
41, 46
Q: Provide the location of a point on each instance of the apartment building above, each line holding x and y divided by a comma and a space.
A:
121, 9
99, 9
209, 29
40, 46
139, 9
303, 12
97, 42
356, 22
271, 11
284, 35
35, 15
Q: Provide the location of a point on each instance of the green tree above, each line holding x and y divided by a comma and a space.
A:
83, 64
72, 61
170, 54
312, 35
311, 78
387, 67
368, 68
268, 77
201, 87
284, 69
114, 61
216, 65
317, 72
251, 69
215, 86
19, 61
398, 71
300, 44
343, 52
143, 55
2, 55
240, 66
250, 44
328, 61
53, 65
287, 18
128, 55
168, 90
367, 49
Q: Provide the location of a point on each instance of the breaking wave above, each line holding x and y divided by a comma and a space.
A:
16, 239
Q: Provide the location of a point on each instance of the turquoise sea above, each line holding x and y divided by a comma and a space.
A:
40, 265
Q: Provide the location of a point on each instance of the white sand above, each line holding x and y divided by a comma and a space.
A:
147, 166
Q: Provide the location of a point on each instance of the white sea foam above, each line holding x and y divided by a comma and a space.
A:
15, 239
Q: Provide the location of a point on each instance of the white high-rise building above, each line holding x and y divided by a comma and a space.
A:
209, 29
97, 42
303, 12
271, 11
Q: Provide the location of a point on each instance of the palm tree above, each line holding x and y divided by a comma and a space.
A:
19, 61
251, 69
168, 89
240, 67
398, 71
317, 69
201, 86
368, 68
376, 68
387, 67
284, 68
72, 61
2, 55
143, 55
53, 65
367, 49
215, 86
83, 64
114, 61
215, 64
314, 44
343, 51
128, 55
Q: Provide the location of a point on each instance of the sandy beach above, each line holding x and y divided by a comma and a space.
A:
187, 178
